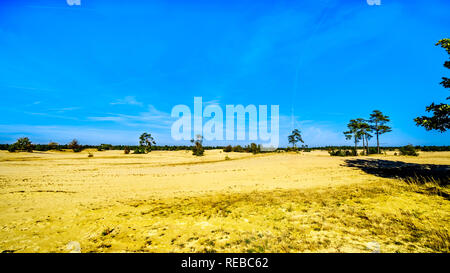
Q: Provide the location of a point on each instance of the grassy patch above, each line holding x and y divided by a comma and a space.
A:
397, 216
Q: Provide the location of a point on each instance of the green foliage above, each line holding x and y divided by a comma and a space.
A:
22, 144
104, 147
228, 149
198, 149
354, 131
378, 123
408, 150
340, 152
145, 143
139, 150
53, 146
75, 146
253, 148
440, 120
295, 137
12, 148
238, 149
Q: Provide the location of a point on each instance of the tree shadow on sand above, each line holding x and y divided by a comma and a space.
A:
419, 173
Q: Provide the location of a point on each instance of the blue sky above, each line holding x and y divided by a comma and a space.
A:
106, 71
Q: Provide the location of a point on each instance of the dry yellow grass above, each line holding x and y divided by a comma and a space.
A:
174, 202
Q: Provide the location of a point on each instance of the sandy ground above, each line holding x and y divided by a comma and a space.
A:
45, 196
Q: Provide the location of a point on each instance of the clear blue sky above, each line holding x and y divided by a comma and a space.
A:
105, 71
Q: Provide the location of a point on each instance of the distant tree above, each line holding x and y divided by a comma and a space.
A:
75, 146
364, 132
238, 149
254, 148
53, 145
408, 150
126, 150
198, 149
353, 132
441, 112
104, 147
228, 149
22, 144
145, 142
294, 138
378, 125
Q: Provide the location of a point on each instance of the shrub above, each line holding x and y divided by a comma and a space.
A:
198, 149
139, 150
12, 148
104, 147
238, 149
53, 146
227, 157
75, 146
90, 155
126, 150
342, 152
408, 150
22, 144
253, 148
228, 149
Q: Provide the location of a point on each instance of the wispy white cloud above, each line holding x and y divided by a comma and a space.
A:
153, 117
50, 115
128, 100
65, 109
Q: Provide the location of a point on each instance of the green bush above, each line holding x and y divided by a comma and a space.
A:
238, 149
408, 150
75, 146
198, 149
22, 144
342, 152
12, 148
253, 148
139, 150
228, 149
373, 150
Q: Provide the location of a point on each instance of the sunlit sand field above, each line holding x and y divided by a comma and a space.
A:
174, 202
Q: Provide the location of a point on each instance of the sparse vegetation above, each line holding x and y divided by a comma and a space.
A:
22, 144
379, 121
294, 138
320, 204
340, 152
198, 149
75, 146
408, 150
104, 147
145, 144
254, 148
